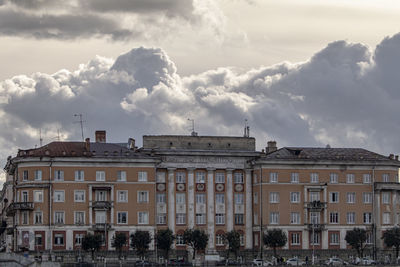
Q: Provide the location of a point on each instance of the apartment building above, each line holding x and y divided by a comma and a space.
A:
61, 191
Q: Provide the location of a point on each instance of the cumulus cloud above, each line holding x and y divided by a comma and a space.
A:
345, 95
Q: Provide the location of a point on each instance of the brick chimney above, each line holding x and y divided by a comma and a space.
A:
100, 136
87, 144
131, 143
271, 147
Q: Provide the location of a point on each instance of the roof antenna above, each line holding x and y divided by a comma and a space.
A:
193, 133
81, 122
40, 137
246, 129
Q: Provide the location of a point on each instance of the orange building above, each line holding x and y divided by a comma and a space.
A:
61, 191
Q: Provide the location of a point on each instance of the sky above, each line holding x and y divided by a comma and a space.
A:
303, 73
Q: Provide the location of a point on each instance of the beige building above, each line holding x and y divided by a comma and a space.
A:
61, 191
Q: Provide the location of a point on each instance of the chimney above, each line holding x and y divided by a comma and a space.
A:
131, 143
100, 136
391, 156
396, 157
271, 147
87, 144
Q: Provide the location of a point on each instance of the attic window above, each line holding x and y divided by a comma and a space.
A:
64, 153
47, 152
229, 144
94, 153
209, 144
106, 153
189, 144
170, 143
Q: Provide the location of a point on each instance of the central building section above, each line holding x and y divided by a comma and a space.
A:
204, 182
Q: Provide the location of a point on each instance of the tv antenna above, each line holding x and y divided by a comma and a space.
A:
246, 129
81, 123
40, 137
193, 133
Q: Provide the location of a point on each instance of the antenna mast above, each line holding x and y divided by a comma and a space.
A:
81, 122
193, 133
40, 137
246, 129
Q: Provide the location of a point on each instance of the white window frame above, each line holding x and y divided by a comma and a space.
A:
25, 175
294, 197
367, 197
179, 240
118, 217
314, 196
385, 197
295, 218
367, 178
60, 237
161, 198
220, 240
274, 217
143, 217
220, 198
25, 196
76, 217
160, 177
200, 198
273, 177
100, 176
79, 175
35, 217
295, 239
161, 218
239, 219
351, 197
350, 217
334, 239
385, 177
367, 217
315, 217
294, 178
314, 178
239, 198
238, 177
350, 178
59, 215
36, 197
201, 218
333, 178
386, 218
142, 197
142, 176
180, 198
334, 217
219, 218
219, 178
200, 177
24, 217
273, 197
79, 193
122, 196
121, 176
58, 175
59, 195
180, 177
180, 218
333, 197
38, 174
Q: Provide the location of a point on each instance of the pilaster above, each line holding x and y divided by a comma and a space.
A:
210, 210
171, 199
229, 197
249, 211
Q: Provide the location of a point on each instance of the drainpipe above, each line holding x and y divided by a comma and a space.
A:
50, 244
261, 241
374, 215
15, 242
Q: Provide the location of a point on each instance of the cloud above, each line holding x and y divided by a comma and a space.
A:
345, 95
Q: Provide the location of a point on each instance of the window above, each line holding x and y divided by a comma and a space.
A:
59, 239
386, 197
334, 239
122, 217
386, 218
220, 198
274, 217
122, 195
100, 176
100, 216
121, 176
38, 175
180, 198
367, 198
333, 178
369, 238
273, 177
351, 217
219, 218
78, 239
351, 197
200, 218
79, 196
367, 217
350, 178
295, 239
101, 195
180, 177
367, 178
315, 238
239, 219
142, 176
200, 177
295, 217
219, 177
294, 197
179, 240
220, 240
385, 178
314, 196
25, 218
58, 175
24, 196
143, 196
160, 177
161, 198
238, 178
255, 197
59, 196
274, 197
38, 215
315, 217
79, 217
143, 217
79, 175
161, 218
314, 177
25, 175
239, 199
200, 199
241, 239
59, 217
334, 197
180, 218
38, 196
38, 240
294, 177
334, 217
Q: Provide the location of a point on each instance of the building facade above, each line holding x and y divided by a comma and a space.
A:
59, 192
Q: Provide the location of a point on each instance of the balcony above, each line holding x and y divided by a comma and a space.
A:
13, 207
316, 205
318, 227
101, 226
101, 205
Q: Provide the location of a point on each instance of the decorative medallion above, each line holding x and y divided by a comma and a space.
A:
161, 187
200, 187
219, 187
239, 188
180, 187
